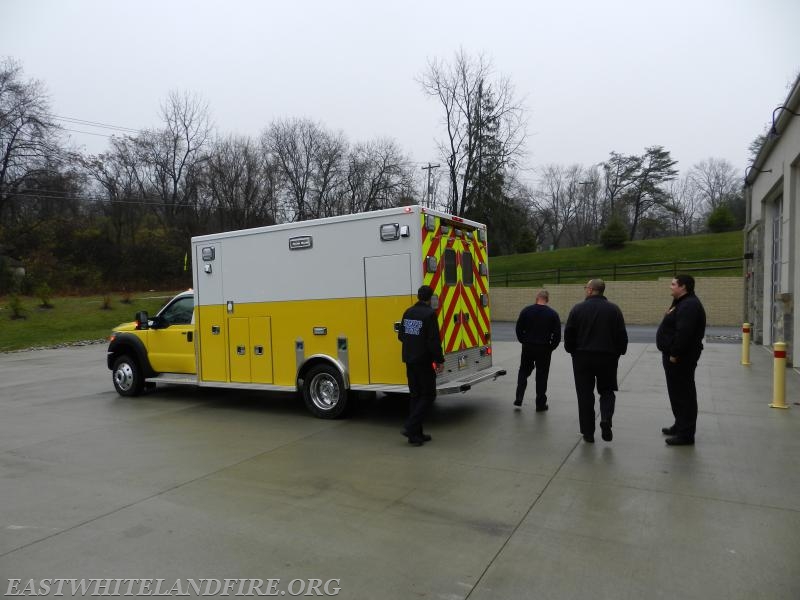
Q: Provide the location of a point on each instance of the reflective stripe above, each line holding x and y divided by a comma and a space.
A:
463, 320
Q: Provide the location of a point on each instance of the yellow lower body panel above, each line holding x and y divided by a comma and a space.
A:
268, 342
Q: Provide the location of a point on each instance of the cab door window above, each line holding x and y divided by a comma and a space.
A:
179, 312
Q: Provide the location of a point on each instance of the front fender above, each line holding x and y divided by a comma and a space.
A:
128, 343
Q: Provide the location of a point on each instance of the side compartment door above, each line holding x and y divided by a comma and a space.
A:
210, 313
388, 292
261, 348
250, 350
239, 351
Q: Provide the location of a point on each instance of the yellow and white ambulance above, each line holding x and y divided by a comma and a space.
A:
313, 306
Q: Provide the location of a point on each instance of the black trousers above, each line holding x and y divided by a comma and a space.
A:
422, 385
594, 369
682, 392
534, 357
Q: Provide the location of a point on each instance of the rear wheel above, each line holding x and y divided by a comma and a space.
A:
127, 376
324, 392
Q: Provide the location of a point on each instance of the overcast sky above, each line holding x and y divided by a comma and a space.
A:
699, 77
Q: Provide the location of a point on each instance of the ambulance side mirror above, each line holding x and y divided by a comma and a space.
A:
142, 321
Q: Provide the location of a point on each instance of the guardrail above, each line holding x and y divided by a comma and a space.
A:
614, 272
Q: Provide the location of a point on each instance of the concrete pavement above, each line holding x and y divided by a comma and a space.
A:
188, 483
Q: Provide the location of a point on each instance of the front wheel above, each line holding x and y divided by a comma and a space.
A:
324, 392
127, 376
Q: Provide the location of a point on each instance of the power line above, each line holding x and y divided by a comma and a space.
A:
153, 201
97, 124
105, 135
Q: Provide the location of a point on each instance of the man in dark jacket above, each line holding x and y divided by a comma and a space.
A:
422, 353
596, 337
539, 332
680, 339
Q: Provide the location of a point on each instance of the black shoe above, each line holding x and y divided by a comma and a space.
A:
424, 437
607, 435
415, 441
679, 441
669, 430
588, 438
542, 408
518, 402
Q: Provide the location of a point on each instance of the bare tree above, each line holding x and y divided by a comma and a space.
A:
241, 184
123, 179
685, 204
715, 180
175, 153
474, 103
589, 210
292, 145
328, 175
377, 174
556, 200
28, 136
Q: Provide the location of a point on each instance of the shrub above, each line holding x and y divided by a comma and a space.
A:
15, 306
721, 219
45, 294
614, 235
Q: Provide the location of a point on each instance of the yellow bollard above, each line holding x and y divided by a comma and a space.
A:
779, 376
746, 343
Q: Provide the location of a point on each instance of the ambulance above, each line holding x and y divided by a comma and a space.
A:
314, 307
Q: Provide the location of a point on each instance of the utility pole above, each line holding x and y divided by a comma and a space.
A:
429, 168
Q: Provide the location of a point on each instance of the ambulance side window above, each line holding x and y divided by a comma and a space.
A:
466, 268
450, 272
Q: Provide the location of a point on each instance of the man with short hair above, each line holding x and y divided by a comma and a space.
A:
596, 337
422, 353
539, 331
680, 339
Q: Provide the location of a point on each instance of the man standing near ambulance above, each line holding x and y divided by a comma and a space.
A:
680, 339
422, 353
539, 331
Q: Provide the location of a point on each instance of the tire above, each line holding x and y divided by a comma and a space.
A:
127, 376
324, 392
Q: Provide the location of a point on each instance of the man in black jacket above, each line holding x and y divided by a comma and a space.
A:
539, 332
596, 337
680, 339
422, 353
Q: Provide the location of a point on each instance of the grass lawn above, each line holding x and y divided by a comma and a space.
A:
71, 318
594, 261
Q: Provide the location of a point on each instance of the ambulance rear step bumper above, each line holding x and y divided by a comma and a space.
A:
450, 387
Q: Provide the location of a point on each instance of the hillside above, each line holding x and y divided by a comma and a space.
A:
579, 264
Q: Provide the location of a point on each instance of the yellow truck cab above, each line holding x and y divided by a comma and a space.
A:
313, 307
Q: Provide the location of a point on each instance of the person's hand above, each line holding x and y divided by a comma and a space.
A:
673, 359
439, 368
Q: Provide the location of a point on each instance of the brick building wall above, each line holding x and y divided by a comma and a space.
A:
642, 302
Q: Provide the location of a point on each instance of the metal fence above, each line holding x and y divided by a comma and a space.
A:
617, 272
